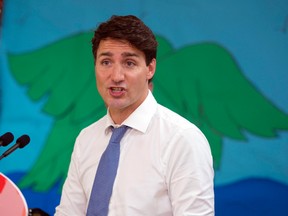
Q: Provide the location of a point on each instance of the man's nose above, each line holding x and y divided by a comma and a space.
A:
117, 73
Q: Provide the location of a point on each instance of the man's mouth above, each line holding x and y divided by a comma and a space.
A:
116, 89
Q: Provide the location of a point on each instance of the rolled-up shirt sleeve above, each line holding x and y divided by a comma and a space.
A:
190, 175
73, 200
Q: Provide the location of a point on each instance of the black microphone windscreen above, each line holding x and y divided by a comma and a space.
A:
6, 138
23, 140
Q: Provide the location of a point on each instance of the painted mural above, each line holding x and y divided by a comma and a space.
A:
223, 71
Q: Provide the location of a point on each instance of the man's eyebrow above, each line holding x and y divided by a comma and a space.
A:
105, 54
124, 54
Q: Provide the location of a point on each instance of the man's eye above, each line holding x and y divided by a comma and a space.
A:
130, 63
105, 62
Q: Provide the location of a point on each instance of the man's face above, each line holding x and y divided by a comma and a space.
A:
122, 77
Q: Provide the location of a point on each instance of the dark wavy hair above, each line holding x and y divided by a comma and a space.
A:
128, 28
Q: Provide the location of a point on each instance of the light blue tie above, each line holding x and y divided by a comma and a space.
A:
105, 175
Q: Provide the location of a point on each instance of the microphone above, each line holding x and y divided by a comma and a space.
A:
21, 142
6, 138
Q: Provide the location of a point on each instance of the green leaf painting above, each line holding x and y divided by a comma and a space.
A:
202, 82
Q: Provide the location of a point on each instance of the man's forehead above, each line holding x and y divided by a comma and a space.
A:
112, 48
114, 42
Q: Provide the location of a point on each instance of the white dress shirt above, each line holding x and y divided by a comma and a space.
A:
165, 166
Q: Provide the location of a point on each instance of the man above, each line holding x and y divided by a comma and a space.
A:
165, 163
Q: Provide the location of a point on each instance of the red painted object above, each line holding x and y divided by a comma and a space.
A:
12, 201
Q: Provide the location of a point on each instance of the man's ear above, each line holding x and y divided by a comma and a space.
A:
151, 69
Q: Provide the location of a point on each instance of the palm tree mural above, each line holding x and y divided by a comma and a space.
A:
201, 82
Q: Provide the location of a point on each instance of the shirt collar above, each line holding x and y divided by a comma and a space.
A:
140, 118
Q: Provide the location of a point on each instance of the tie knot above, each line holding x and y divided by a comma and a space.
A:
118, 133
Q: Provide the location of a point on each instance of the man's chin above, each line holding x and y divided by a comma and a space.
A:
116, 106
